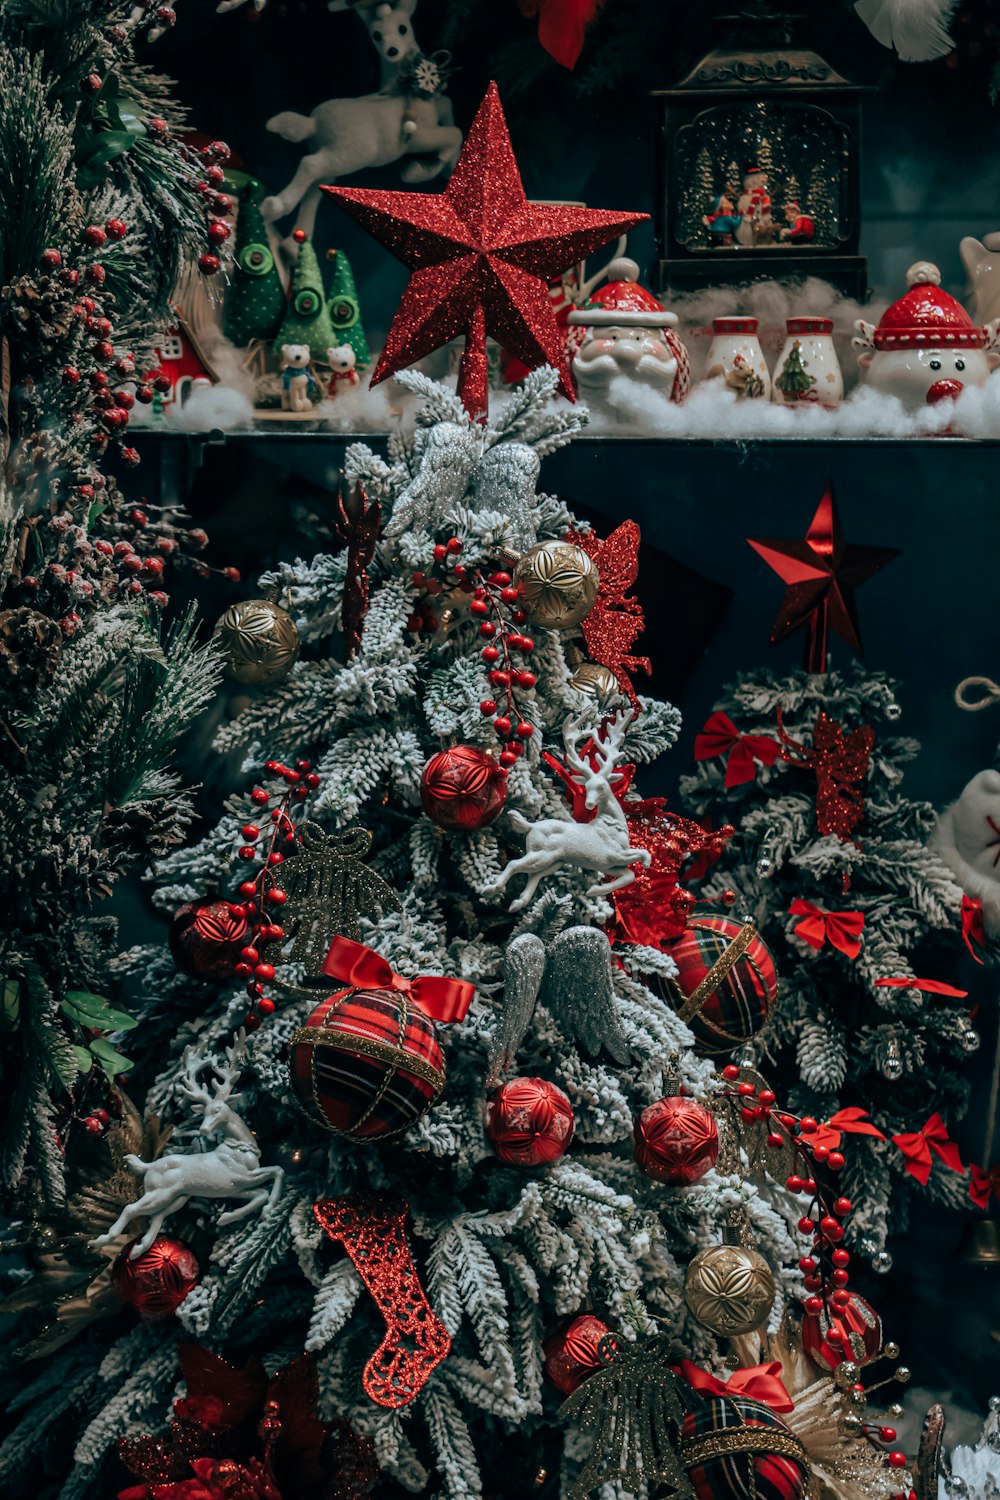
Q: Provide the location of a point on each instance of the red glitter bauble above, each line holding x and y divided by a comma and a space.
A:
676, 1141
205, 939
529, 1122
367, 1063
735, 1008
157, 1281
462, 788
572, 1351
854, 1332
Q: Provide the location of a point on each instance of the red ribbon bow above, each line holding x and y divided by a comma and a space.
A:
927, 986
721, 737
982, 1184
841, 929
917, 1146
353, 964
760, 1382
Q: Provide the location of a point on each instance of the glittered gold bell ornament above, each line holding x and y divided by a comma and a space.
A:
259, 641
595, 680
558, 584
729, 1289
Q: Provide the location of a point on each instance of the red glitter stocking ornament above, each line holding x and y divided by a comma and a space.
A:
839, 759
416, 1341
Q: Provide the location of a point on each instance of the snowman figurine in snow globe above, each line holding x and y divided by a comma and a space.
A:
926, 348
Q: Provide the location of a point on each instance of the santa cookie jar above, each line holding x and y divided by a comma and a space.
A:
627, 333
926, 348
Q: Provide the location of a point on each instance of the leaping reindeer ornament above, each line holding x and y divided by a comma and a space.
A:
602, 845
230, 1170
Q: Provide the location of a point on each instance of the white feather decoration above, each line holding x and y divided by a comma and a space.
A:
917, 29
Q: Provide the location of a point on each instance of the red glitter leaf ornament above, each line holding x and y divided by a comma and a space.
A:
839, 761
616, 621
482, 258
372, 1232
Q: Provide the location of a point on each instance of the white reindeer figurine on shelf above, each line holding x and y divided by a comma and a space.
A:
602, 845
231, 1169
351, 135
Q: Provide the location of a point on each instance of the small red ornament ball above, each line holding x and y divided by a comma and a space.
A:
854, 1333
462, 789
733, 1006
529, 1122
367, 1064
206, 937
732, 1446
676, 1141
571, 1351
157, 1281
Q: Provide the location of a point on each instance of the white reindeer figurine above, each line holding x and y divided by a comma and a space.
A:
230, 1170
602, 845
350, 135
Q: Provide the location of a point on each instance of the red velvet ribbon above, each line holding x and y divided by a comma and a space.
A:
841, 929
719, 736
917, 1146
759, 1382
353, 964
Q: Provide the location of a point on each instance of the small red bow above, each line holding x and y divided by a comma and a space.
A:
917, 1146
760, 1382
353, 964
841, 929
973, 930
721, 737
982, 1184
851, 1120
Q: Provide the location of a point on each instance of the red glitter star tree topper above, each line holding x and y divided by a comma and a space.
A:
482, 257
821, 571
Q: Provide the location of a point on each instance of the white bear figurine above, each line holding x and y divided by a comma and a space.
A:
341, 359
297, 384
926, 348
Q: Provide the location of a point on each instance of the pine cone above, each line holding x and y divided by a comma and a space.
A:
30, 644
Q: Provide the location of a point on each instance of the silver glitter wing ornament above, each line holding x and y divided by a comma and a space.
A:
632, 1408
329, 889
446, 455
579, 992
523, 965
505, 481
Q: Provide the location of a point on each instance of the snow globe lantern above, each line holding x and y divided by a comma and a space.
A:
758, 171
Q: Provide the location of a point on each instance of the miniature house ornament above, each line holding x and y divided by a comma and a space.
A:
627, 332
926, 348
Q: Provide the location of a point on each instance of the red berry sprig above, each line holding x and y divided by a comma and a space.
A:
262, 898
495, 604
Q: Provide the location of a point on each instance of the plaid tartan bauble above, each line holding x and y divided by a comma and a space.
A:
367, 1063
735, 1448
728, 1008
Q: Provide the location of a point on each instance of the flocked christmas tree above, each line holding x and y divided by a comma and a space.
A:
100, 213
255, 300
509, 1185
831, 861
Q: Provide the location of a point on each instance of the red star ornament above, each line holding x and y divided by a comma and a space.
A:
482, 257
821, 571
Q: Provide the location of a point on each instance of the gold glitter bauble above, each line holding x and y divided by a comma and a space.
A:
729, 1289
558, 584
260, 643
595, 680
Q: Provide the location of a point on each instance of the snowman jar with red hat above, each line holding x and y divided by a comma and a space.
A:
926, 348
628, 335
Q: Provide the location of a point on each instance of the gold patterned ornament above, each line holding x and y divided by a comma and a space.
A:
558, 584
595, 680
729, 1289
259, 641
